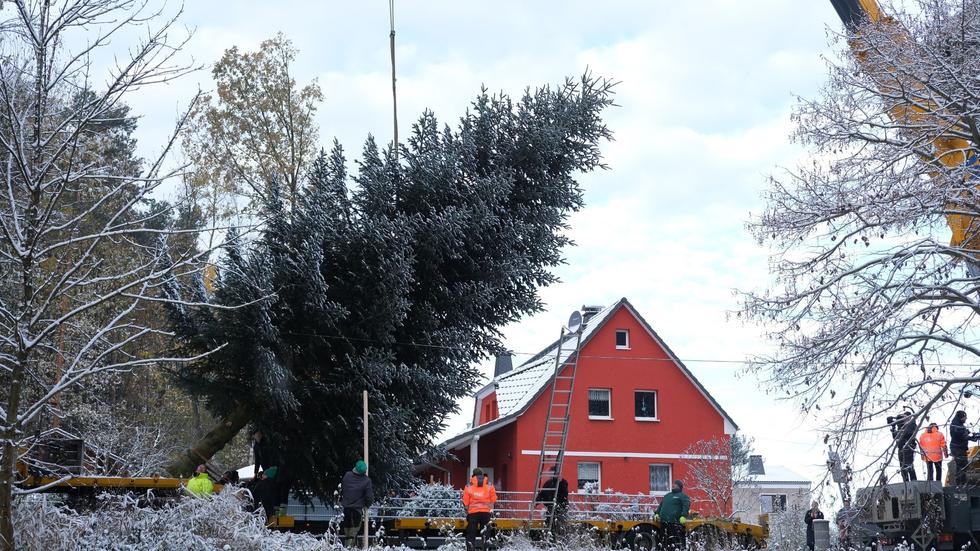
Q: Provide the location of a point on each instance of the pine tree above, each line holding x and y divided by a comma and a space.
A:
396, 280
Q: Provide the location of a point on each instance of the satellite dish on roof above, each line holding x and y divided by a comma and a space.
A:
575, 322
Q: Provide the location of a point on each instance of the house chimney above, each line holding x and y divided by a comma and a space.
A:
504, 363
589, 311
756, 467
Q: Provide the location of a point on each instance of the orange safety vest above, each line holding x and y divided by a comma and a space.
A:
933, 445
479, 498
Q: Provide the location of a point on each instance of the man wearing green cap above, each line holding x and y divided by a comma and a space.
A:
356, 495
672, 514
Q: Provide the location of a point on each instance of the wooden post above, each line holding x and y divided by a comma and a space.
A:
368, 509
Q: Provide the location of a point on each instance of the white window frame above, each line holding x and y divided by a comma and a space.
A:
785, 501
670, 478
608, 392
598, 465
627, 345
656, 405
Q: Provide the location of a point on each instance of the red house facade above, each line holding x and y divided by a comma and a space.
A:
635, 409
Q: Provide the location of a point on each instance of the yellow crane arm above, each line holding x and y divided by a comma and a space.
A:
950, 151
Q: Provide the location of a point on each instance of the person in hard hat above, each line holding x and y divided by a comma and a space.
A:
672, 514
356, 495
479, 497
934, 451
200, 485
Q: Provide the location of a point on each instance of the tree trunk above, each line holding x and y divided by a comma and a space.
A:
8, 456
6, 496
212, 442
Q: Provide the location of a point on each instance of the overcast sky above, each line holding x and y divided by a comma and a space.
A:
705, 94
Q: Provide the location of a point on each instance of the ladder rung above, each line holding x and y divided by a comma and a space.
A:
561, 391
564, 378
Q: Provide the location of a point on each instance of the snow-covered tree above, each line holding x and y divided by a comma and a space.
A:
396, 280
715, 466
873, 306
69, 309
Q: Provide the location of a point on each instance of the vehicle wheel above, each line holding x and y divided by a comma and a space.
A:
643, 541
710, 538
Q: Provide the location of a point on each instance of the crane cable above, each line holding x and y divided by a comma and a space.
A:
394, 94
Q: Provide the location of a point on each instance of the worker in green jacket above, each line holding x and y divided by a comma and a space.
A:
672, 514
200, 485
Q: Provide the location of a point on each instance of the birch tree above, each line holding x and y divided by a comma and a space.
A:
873, 306
715, 466
66, 314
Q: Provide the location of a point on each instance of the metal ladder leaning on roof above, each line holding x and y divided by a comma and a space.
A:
558, 415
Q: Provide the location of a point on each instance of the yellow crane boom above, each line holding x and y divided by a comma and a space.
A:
950, 151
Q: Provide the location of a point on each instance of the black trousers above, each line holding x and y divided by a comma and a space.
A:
960, 458
476, 523
560, 514
905, 463
809, 538
351, 525
673, 535
936, 466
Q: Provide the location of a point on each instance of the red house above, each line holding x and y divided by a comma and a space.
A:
635, 409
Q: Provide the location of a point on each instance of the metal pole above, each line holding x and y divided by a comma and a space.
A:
368, 509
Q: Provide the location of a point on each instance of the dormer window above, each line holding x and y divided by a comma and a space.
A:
622, 339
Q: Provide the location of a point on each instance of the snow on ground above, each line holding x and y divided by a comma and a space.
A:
119, 522
44, 522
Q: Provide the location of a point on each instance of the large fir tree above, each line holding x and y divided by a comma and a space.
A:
396, 280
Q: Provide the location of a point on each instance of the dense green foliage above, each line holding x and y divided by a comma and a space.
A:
396, 280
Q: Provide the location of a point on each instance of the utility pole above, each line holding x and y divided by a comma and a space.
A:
368, 509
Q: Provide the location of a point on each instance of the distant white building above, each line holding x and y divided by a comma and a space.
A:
768, 489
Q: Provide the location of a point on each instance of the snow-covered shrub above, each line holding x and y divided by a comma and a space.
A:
44, 523
596, 504
432, 501
787, 531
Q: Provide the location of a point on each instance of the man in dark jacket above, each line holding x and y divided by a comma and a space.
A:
812, 514
959, 444
672, 514
262, 453
554, 496
356, 495
905, 445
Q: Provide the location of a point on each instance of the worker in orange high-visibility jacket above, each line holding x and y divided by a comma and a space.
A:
934, 450
478, 499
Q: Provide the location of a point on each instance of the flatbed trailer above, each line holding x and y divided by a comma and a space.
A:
604, 518
76, 484
616, 521
429, 533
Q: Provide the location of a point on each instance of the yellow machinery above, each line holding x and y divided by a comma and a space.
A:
949, 151
70, 485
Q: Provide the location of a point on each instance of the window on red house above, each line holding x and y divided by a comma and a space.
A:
645, 404
599, 407
659, 479
623, 339
589, 476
